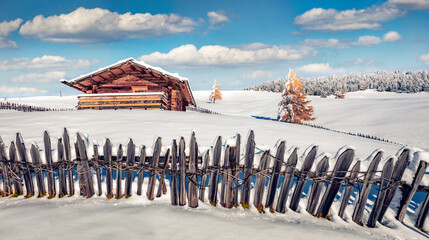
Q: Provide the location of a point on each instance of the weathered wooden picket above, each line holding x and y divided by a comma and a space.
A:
188, 175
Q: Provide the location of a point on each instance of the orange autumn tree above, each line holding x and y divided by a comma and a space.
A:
294, 104
215, 94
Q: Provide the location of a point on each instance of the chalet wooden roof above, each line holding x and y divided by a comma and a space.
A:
126, 67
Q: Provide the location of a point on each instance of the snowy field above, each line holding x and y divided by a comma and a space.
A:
397, 117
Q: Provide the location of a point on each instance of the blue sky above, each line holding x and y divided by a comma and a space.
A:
239, 43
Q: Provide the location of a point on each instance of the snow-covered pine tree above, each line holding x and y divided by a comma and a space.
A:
339, 94
293, 106
215, 94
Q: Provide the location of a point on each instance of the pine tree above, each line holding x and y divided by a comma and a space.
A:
339, 94
293, 106
215, 94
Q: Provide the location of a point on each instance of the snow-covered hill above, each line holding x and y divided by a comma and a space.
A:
400, 118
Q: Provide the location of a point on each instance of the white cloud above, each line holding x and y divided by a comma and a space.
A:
20, 90
45, 62
424, 58
216, 55
368, 41
392, 36
100, 25
348, 20
217, 19
359, 61
319, 69
328, 43
48, 77
257, 75
411, 4
5, 29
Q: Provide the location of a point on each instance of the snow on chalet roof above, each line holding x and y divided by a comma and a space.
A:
143, 64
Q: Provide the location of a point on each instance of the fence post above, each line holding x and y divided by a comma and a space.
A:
275, 174
237, 169
349, 188
316, 188
302, 178
67, 151
49, 162
25, 165
7, 188
88, 183
153, 171
408, 193
229, 196
206, 159
421, 218
366, 188
97, 170
386, 175
261, 179
249, 155
61, 172
214, 175
192, 170
161, 186
119, 159
182, 173
142, 161
341, 166
287, 181
173, 181
16, 175
107, 150
224, 177
131, 155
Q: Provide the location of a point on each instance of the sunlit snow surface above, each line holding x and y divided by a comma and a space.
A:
398, 117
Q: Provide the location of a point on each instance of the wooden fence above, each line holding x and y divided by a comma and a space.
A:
228, 180
27, 108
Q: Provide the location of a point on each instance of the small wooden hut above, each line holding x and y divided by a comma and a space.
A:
130, 84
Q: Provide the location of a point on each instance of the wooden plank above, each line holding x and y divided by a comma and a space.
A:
7, 187
229, 195
86, 171
275, 175
408, 193
237, 167
40, 180
182, 172
79, 171
67, 152
421, 217
174, 194
15, 173
224, 181
49, 163
302, 179
249, 155
340, 169
192, 170
62, 180
214, 175
287, 181
107, 151
22, 152
316, 188
161, 186
386, 175
261, 179
398, 171
366, 188
97, 170
353, 176
206, 160
131, 155
154, 164
140, 178
119, 160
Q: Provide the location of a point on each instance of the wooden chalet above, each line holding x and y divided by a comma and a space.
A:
130, 84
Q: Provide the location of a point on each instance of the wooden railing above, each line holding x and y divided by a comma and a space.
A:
227, 179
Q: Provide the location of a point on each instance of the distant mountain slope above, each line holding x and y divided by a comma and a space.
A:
409, 82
